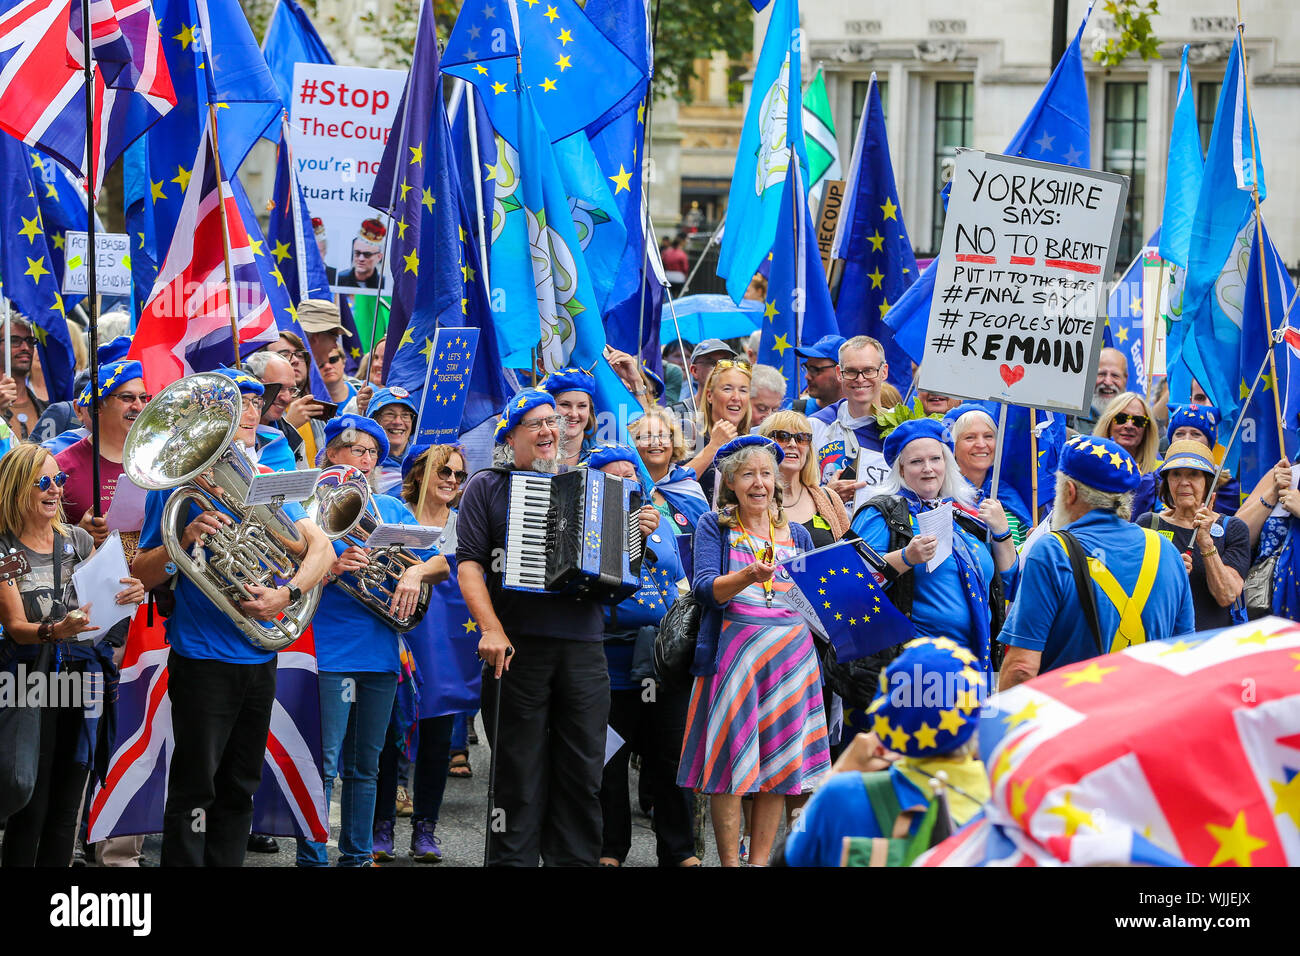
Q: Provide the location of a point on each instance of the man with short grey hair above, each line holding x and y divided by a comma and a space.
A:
766, 393
846, 438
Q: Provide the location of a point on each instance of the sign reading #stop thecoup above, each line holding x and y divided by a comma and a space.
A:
1028, 251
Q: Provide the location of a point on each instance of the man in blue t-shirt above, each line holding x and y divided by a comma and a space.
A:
222, 686
1138, 580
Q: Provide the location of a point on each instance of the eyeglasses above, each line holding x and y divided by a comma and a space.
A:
16, 341
1124, 418
445, 473
811, 369
390, 416
664, 441
332, 360
130, 398
535, 425
253, 401
781, 437
362, 451
290, 355
854, 374
45, 481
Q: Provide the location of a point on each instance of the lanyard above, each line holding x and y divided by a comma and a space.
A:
768, 585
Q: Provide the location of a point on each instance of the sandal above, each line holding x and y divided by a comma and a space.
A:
460, 768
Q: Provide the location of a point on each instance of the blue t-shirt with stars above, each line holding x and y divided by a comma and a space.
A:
646, 607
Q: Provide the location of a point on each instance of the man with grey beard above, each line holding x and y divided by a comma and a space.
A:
1136, 583
1112, 379
554, 702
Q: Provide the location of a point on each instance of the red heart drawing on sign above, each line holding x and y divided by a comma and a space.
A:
1011, 375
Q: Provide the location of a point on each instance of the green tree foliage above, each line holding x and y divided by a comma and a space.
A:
1133, 21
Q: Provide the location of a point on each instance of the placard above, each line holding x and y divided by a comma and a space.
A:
451, 359
340, 119
828, 220
1018, 312
112, 263
286, 485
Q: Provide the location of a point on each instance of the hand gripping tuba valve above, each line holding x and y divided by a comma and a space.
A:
344, 511
184, 439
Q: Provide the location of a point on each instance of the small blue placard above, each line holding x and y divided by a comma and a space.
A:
451, 360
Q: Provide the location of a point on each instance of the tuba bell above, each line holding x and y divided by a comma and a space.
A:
343, 510
184, 439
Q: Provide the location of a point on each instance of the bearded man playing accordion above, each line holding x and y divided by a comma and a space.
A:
222, 686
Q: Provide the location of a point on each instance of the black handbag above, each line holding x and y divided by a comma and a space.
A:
675, 642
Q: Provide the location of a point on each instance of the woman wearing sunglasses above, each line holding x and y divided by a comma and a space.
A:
41, 625
803, 499
1129, 422
445, 653
725, 414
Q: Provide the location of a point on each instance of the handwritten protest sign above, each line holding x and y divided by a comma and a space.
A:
451, 359
341, 118
112, 263
1028, 249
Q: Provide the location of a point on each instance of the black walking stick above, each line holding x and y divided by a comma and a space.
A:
493, 734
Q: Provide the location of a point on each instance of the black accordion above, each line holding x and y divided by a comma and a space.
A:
573, 533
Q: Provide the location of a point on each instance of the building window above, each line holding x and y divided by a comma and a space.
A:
860, 102
1207, 102
1124, 151
954, 123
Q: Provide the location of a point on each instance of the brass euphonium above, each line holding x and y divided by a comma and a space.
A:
184, 439
343, 510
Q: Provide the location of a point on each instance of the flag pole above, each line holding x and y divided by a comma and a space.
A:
467, 92
997, 452
645, 161
231, 292
88, 69
1033, 463
1150, 343
1263, 271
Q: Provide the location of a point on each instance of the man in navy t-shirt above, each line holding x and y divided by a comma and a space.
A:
222, 686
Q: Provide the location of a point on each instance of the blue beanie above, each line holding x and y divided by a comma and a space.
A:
912, 429
391, 395
1100, 463
569, 380
520, 404
950, 417
112, 376
747, 441
337, 426
929, 699
248, 385
1204, 418
608, 454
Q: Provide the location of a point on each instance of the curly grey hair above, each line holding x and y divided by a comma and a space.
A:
725, 501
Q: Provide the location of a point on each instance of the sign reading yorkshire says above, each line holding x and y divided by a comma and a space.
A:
1028, 249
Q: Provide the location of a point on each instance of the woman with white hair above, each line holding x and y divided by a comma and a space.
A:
962, 596
975, 444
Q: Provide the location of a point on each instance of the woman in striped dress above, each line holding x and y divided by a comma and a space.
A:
756, 724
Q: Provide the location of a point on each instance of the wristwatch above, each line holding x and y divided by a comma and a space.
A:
295, 593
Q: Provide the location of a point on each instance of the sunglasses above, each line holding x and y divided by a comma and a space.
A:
332, 360
128, 398
1124, 418
781, 436
734, 363
445, 473
17, 341
45, 481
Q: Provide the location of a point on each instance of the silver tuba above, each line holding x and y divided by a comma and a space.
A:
343, 510
184, 439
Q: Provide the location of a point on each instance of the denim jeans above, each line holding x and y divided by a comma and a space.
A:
354, 712
460, 732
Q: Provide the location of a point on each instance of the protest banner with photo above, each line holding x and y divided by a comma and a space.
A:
340, 119
1028, 249
112, 263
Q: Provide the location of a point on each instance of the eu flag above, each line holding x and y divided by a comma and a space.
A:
1124, 324
293, 242
771, 141
872, 240
838, 586
63, 205
291, 38
1057, 130
575, 73
26, 272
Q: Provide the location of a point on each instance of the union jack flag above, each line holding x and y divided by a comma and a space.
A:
42, 88
1093, 764
291, 798
185, 326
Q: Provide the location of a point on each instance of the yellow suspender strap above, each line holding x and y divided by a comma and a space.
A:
1130, 608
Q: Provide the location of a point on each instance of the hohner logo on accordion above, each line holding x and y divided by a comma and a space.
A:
575, 533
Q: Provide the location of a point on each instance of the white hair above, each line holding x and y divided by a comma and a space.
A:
968, 419
1119, 502
954, 485
765, 378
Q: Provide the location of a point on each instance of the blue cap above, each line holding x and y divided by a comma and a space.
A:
112, 376
746, 441
1204, 418
390, 395
569, 380
248, 385
654, 377
608, 454
1100, 463
907, 717
520, 404
337, 426
826, 347
912, 429
114, 350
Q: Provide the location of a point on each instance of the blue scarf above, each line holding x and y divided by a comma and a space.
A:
972, 577
683, 493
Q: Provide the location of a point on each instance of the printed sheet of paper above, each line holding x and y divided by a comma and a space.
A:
406, 535
938, 522
290, 485
98, 580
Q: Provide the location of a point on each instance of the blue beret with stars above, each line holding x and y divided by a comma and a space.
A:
1100, 463
248, 384
1204, 418
520, 404
604, 455
112, 376
348, 425
392, 395
569, 380
748, 441
909, 431
114, 350
929, 699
